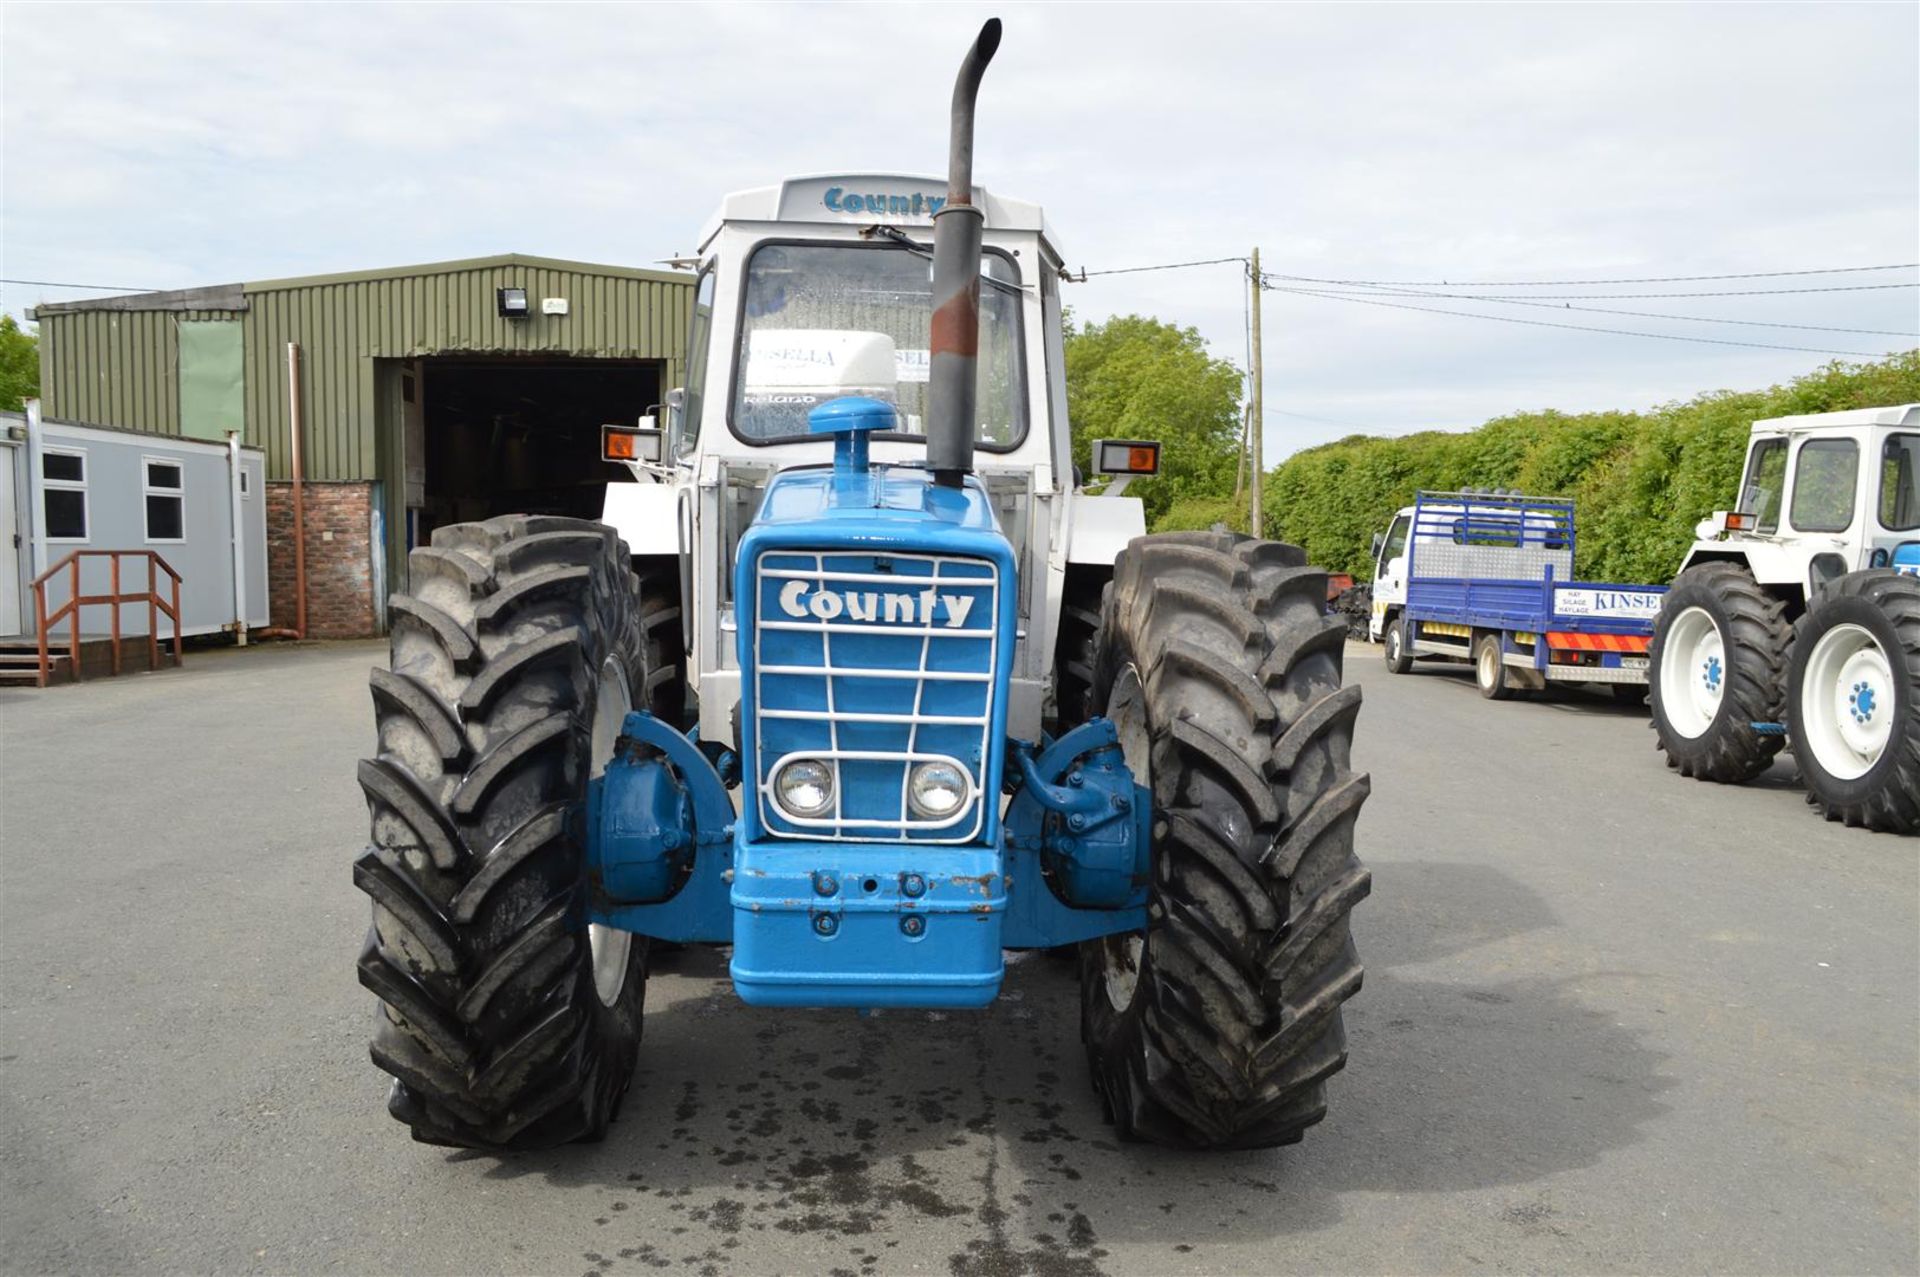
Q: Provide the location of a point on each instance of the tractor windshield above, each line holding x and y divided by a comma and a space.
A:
826, 320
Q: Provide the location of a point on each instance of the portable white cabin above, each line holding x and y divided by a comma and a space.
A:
198, 504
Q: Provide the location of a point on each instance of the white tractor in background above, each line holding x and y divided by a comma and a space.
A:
1796, 617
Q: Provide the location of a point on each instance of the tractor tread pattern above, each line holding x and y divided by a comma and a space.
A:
489, 1021
1756, 641
1236, 1024
1894, 805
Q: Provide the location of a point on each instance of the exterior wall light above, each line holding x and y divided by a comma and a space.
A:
513, 303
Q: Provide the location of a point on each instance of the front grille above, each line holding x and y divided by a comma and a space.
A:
873, 663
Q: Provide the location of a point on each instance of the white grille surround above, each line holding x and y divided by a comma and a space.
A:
873, 685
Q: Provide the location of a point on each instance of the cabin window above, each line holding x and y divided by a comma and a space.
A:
63, 494
166, 500
1396, 540
1824, 480
1900, 483
686, 418
1766, 483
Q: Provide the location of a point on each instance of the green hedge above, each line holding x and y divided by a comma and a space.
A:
1642, 480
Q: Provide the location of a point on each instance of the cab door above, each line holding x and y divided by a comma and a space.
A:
1895, 498
1390, 573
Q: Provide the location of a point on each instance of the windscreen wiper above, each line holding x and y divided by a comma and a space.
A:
906, 241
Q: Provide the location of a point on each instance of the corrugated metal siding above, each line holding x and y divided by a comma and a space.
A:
121, 368
343, 326
115, 367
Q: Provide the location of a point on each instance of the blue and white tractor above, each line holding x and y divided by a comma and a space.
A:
1796, 620
857, 680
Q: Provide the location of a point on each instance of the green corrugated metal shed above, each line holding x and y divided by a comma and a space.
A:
116, 361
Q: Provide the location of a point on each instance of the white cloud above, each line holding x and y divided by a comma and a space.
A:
198, 144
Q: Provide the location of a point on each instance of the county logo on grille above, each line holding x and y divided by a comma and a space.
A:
925, 607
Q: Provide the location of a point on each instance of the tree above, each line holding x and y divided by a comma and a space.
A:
19, 365
1137, 378
1641, 480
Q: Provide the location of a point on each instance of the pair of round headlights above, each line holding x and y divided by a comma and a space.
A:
804, 788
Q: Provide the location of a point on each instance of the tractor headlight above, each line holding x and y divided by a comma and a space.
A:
936, 790
804, 788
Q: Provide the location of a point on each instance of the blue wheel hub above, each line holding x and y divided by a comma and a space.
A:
1862, 702
1711, 672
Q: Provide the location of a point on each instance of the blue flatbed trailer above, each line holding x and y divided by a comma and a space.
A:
1493, 572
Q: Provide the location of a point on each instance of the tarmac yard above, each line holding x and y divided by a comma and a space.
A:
1613, 1021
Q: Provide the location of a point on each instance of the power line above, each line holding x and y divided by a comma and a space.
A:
98, 288
1638, 314
1580, 328
1738, 292
1571, 283
1136, 270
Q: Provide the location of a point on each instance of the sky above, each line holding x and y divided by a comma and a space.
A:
170, 146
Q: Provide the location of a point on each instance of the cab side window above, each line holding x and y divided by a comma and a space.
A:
1900, 483
1396, 540
687, 418
1824, 480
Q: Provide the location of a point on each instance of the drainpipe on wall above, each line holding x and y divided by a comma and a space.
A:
239, 541
296, 415
36, 504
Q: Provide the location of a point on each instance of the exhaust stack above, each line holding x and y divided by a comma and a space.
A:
951, 381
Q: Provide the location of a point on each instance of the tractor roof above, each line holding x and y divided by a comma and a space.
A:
862, 199
1894, 415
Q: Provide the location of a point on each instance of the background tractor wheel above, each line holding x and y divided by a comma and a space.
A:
1853, 700
1219, 1025
506, 1022
1399, 659
1717, 665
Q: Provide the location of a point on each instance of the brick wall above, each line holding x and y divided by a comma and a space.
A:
339, 570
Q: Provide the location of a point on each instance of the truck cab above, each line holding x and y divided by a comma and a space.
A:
1389, 573
820, 288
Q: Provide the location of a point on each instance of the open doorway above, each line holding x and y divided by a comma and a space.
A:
506, 435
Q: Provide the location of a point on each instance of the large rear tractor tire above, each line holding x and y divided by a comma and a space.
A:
1077, 646
1717, 665
505, 1020
1219, 1025
657, 593
1853, 701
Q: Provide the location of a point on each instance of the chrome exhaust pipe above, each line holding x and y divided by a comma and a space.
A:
952, 384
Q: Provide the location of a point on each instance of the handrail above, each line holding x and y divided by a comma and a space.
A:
70, 610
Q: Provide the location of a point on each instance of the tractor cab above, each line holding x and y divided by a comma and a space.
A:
821, 288
1820, 496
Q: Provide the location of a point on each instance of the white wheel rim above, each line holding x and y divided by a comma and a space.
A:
1127, 710
1846, 702
1489, 666
1393, 645
1693, 673
609, 946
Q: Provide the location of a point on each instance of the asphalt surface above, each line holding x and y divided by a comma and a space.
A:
1613, 1020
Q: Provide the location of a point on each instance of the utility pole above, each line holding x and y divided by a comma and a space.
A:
1257, 421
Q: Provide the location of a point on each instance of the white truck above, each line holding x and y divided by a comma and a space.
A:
1486, 578
1796, 617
